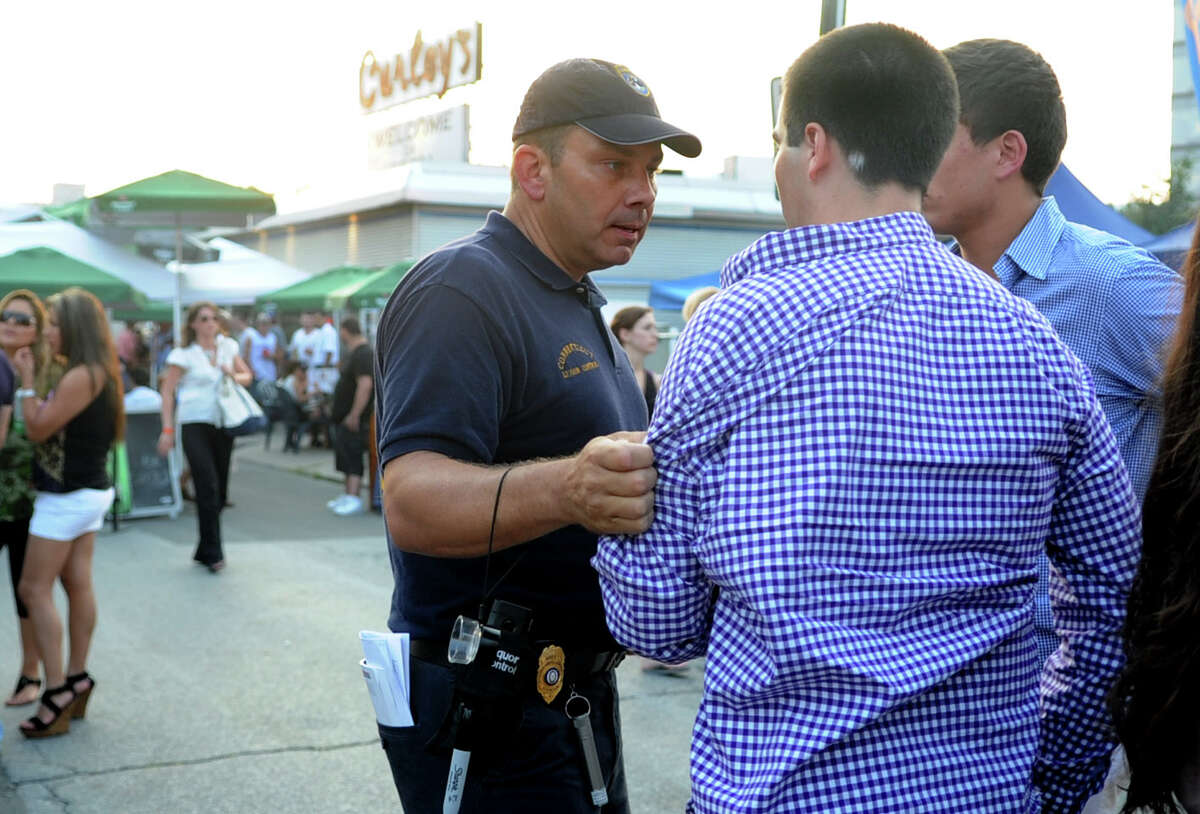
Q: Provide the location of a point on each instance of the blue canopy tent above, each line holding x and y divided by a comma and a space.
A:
1078, 204
668, 295
1172, 247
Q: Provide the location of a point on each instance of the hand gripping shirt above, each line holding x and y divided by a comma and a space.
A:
863, 443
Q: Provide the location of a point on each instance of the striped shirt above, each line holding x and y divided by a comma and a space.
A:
863, 443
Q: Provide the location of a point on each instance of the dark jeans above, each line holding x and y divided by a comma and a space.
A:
538, 770
208, 450
14, 534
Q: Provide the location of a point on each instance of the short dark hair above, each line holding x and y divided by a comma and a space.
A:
550, 140
351, 326
1004, 85
884, 94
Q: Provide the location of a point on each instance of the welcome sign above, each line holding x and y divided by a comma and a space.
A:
439, 136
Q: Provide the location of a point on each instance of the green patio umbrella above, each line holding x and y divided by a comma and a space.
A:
375, 289
152, 311
176, 200
46, 271
323, 291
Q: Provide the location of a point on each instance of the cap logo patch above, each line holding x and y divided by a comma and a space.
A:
631, 79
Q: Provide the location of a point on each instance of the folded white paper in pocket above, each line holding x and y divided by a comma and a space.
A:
385, 669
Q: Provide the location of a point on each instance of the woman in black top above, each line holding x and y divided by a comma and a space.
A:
73, 428
635, 329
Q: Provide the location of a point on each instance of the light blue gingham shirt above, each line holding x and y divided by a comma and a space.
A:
1115, 306
863, 443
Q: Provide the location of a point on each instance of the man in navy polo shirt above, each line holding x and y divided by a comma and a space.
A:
511, 434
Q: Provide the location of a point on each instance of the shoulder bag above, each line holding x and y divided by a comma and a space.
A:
240, 413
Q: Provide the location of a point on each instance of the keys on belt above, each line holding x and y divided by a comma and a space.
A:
579, 710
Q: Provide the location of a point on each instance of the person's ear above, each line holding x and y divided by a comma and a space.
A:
820, 147
530, 170
1011, 152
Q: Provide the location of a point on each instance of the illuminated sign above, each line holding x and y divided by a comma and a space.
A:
428, 68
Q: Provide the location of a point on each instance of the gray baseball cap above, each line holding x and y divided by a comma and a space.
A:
607, 100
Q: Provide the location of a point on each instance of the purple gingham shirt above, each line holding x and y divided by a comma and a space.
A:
862, 444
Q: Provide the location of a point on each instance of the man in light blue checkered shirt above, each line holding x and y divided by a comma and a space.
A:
1112, 303
863, 445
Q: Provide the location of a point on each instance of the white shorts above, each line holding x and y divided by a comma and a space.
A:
70, 514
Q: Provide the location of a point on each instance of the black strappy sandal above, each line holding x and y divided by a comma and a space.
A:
81, 702
60, 724
23, 681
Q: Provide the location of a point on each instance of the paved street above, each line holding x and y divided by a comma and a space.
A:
240, 692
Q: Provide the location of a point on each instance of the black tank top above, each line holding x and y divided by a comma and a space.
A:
650, 391
75, 457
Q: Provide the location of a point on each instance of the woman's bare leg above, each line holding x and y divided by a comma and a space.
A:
44, 562
81, 598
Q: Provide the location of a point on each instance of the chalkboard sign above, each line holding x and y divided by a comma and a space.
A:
153, 480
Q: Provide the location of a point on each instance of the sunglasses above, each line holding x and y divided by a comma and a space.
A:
24, 320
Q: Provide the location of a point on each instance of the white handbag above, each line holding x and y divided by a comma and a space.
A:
240, 413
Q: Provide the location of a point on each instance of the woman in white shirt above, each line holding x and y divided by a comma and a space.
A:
194, 373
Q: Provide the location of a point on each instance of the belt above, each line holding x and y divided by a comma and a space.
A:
578, 662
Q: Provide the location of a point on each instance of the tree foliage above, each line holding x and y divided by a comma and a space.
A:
1160, 213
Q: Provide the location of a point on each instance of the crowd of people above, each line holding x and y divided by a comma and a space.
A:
889, 487
64, 388
929, 512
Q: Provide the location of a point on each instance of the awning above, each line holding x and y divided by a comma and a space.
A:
144, 275
373, 291
45, 271
319, 292
668, 295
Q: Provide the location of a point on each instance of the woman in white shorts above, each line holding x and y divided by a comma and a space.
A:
73, 430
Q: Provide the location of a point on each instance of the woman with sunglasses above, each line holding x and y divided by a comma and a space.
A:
22, 320
195, 372
73, 428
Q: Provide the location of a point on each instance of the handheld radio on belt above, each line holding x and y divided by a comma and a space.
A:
492, 656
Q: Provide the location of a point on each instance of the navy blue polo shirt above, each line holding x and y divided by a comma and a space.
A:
489, 353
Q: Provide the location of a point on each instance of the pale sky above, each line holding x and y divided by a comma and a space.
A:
265, 93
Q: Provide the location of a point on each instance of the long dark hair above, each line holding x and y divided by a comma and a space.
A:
1156, 700
87, 340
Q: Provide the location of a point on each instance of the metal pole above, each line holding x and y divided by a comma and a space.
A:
177, 303
833, 15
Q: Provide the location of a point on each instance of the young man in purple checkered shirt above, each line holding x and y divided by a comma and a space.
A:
863, 445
